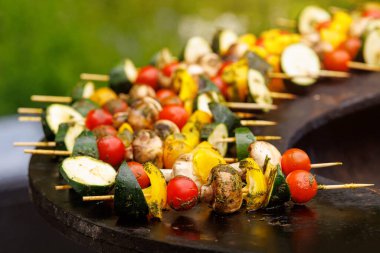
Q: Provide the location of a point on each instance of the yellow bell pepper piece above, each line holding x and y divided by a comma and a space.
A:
201, 118
103, 95
185, 84
125, 126
157, 198
174, 146
249, 39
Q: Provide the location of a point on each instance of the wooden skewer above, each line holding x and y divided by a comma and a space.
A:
286, 22
322, 73
29, 119
230, 159
343, 186
245, 115
258, 138
252, 106
51, 99
98, 198
47, 152
34, 144
94, 77
324, 165
282, 95
257, 123
63, 187
335, 74
363, 66
29, 110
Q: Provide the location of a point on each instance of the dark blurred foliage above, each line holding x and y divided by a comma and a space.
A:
45, 45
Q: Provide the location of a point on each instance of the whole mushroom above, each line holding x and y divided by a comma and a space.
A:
147, 147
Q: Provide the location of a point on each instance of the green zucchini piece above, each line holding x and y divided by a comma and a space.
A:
88, 176
258, 90
213, 133
194, 49
206, 85
129, 200
270, 172
85, 145
201, 102
309, 17
82, 90
123, 76
223, 39
371, 48
243, 138
84, 105
54, 115
60, 136
222, 114
280, 192
258, 63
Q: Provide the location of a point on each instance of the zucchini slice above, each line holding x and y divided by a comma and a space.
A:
213, 133
195, 48
222, 114
222, 41
85, 145
60, 136
88, 176
270, 172
300, 60
243, 138
55, 114
371, 49
83, 90
66, 136
84, 105
201, 102
372, 25
123, 76
129, 200
280, 193
309, 17
257, 63
258, 90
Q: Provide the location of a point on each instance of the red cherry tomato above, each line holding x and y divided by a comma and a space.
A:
161, 94
169, 69
175, 100
182, 193
148, 75
140, 174
115, 105
372, 13
352, 46
295, 159
221, 69
336, 60
111, 150
175, 113
98, 117
302, 185
104, 130
222, 85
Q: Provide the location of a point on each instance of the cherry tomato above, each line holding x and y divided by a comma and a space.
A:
221, 69
148, 75
295, 159
140, 174
372, 13
182, 193
352, 46
175, 113
175, 100
169, 69
115, 105
302, 185
98, 117
104, 130
111, 150
222, 85
161, 94
336, 60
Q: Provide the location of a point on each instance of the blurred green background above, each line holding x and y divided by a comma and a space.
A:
45, 45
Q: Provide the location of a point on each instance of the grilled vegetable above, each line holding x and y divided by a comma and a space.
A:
309, 17
258, 90
143, 113
147, 147
115, 106
141, 91
174, 146
223, 190
102, 95
104, 130
371, 48
213, 133
85, 145
243, 138
257, 63
83, 90
54, 115
182, 193
163, 128
222, 114
97, 118
302, 185
60, 136
222, 41
84, 105
129, 200
195, 48
123, 76
73, 131
261, 150
125, 134
88, 176
156, 192
280, 192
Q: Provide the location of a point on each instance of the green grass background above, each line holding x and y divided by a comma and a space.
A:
45, 45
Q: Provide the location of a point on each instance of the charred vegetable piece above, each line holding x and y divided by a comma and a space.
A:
129, 200
243, 138
195, 48
235, 75
280, 192
143, 113
223, 190
222, 114
83, 90
260, 151
270, 172
157, 199
85, 145
213, 133
147, 147
309, 17
174, 146
102, 95
66, 136
257, 63
125, 134
123, 76
256, 190
88, 176
141, 91
258, 90
164, 128
104, 130
84, 105
223, 40
115, 106
60, 136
